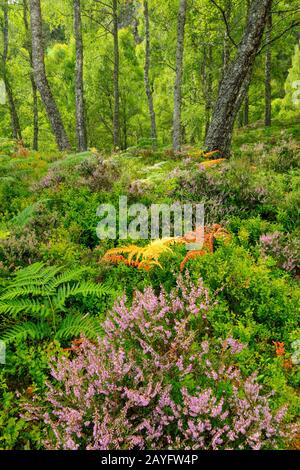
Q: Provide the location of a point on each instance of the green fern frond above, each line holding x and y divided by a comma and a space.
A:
74, 326
35, 331
83, 288
25, 215
26, 306
68, 276
36, 274
39, 293
14, 293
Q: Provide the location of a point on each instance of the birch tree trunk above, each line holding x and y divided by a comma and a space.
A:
207, 77
220, 131
116, 113
79, 86
35, 111
227, 44
268, 78
179, 71
41, 77
147, 75
15, 122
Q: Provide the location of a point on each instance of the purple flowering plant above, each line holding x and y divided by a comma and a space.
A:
156, 380
285, 249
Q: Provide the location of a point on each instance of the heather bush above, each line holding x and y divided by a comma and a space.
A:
287, 159
284, 249
20, 248
231, 190
98, 174
156, 380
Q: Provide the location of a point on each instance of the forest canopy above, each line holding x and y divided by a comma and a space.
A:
136, 71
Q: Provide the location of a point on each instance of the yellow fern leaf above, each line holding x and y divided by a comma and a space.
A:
210, 163
211, 154
158, 247
146, 256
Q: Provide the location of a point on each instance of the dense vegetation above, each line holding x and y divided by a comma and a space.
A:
133, 344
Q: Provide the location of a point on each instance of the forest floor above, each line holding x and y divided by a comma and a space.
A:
48, 215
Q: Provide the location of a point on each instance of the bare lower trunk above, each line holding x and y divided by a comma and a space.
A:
268, 78
35, 143
147, 77
220, 131
35, 110
226, 47
207, 83
238, 103
15, 122
79, 87
41, 77
178, 79
116, 114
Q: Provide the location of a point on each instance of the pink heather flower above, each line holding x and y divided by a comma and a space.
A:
154, 381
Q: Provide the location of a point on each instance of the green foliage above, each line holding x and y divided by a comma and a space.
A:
42, 293
288, 107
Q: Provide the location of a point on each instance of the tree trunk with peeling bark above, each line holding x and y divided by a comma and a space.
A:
207, 79
147, 75
15, 122
40, 76
79, 86
35, 111
239, 73
116, 113
179, 72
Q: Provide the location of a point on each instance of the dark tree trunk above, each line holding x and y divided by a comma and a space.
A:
239, 72
268, 77
147, 77
226, 47
79, 87
179, 73
41, 77
207, 83
116, 114
35, 142
15, 122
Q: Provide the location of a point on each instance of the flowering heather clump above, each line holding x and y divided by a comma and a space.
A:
284, 249
155, 381
99, 174
51, 180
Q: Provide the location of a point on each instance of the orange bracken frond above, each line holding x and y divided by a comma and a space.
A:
75, 345
211, 154
118, 259
288, 365
211, 234
192, 255
210, 163
280, 350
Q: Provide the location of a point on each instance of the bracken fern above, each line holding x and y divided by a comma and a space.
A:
35, 302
